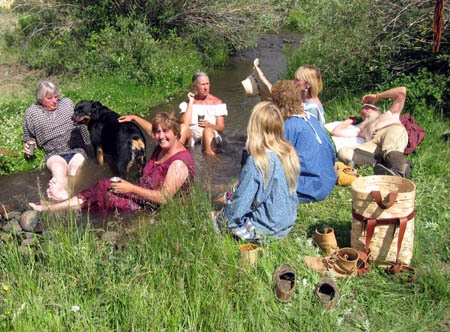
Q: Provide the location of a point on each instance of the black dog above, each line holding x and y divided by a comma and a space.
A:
123, 141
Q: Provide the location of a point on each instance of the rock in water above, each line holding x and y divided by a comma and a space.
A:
28, 220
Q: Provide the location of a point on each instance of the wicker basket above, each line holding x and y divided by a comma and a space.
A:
383, 209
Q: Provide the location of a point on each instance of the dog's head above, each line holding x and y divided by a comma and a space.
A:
85, 111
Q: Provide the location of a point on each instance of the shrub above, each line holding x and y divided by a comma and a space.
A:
370, 44
215, 27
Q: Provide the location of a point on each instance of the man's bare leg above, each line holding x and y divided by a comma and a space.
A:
209, 141
185, 135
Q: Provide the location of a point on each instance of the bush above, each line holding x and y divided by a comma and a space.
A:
11, 138
372, 44
216, 28
126, 49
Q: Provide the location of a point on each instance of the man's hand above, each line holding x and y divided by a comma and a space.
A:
371, 99
26, 147
354, 119
191, 97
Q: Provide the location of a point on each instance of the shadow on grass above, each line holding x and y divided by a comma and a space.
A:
341, 229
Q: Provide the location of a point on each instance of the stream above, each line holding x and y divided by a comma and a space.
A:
20, 188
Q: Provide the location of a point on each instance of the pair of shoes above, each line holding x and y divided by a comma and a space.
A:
343, 263
326, 289
326, 240
345, 174
284, 278
394, 164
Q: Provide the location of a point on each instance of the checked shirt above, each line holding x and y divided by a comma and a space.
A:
53, 130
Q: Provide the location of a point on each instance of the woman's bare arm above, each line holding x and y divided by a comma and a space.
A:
144, 124
176, 176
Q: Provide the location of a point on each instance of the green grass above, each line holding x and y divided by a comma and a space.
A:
178, 275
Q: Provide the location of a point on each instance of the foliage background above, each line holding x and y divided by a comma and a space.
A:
368, 45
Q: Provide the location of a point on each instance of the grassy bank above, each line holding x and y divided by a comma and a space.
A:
178, 275
172, 272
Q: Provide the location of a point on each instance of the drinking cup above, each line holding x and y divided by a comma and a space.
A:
31, 147
114, 179
249, 254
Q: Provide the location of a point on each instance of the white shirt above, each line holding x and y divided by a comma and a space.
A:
209, 111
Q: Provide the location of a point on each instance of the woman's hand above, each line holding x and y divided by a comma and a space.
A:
126, 118
121, 187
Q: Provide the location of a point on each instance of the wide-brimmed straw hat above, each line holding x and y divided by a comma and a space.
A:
250, 86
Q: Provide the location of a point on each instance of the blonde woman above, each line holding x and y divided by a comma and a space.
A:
309, 80
265, 201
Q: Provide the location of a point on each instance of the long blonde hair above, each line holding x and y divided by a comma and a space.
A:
265, 130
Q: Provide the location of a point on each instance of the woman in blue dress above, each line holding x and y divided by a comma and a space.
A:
315, 150
264, 203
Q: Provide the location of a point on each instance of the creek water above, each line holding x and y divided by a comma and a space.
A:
214, 173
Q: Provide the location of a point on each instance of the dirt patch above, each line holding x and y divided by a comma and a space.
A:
17, 79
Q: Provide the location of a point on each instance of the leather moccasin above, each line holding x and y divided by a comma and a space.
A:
284, 278
326, 240
328, 293
342, 263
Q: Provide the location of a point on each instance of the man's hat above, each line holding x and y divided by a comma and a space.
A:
250, 86
372, 106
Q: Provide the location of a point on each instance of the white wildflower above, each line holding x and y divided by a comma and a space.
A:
75, 308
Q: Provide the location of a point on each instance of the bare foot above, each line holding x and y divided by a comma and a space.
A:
41, 207
56, 191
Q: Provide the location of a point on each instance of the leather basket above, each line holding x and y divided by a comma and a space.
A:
383, 218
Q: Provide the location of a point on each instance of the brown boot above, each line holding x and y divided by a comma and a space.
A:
345, 263
395, 164
317, 264
362, 157
326, 241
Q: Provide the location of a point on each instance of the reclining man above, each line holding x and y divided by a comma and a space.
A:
386, 138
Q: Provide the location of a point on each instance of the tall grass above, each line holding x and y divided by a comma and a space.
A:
177, 274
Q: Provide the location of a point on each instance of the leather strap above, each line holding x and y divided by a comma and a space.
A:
377, 197
405, 273
363, 263
372, 222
